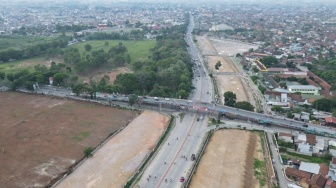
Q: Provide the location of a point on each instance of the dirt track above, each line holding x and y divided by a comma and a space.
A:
228, 161
121, 156
41, 137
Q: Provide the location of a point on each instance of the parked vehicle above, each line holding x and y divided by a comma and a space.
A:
182, 179
193, 157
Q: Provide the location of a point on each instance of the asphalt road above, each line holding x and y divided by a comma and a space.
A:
173, 159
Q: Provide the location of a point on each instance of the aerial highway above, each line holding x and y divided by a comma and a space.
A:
172, 161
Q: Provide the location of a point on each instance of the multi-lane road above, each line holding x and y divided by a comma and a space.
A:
172, 161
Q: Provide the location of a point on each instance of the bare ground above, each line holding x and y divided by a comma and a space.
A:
121, 156
226, 47
98, 74
41, 137
226, 83
228, 161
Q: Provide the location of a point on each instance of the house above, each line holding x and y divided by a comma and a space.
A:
321, 145
332, 169
309, 89
324, 169
305, 149
296, 174
318, 181
287, 137
330, 121
312, 168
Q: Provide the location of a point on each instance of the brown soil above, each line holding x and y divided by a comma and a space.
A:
227, 47
41, 137
226, 83
121, 156
112, 74
228, 161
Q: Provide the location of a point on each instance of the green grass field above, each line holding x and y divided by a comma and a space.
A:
20, 42
138, 50
15, 66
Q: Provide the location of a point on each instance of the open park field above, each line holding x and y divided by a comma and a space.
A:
229, 161
139, 50
19, 42
114, 163
16, 66
41, 137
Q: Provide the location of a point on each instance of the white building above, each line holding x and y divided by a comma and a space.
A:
308, 89
220, 27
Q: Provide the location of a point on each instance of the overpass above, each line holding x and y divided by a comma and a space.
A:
221, 110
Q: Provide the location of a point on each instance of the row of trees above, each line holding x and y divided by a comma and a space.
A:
167, 74
116, 56
49, 48
230, 100
326, 69
60, 72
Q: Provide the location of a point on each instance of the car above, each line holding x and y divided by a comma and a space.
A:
144, 97
304, 125
155, 98
182, 179
198, 119
167, 99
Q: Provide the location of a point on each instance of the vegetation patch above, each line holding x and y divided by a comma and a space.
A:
260, 171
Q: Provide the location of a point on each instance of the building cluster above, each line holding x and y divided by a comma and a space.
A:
308, 174
304, 31
42, 18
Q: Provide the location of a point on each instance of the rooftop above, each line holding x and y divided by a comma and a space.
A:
297, 173
310, 167
303, 87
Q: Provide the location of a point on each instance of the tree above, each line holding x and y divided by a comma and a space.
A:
230, 98
269, 61
290, 115
244, 105
218, 64
88, 151
132, 99
2, 75
106, 43
87, 47
277, 109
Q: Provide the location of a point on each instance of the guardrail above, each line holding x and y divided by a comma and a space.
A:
132, 179
198, 158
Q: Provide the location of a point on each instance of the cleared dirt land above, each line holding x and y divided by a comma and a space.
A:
227, 47
215, 50
41, 137
121, 156
228, 161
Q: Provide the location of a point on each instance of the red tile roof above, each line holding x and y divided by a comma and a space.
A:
330, 120
324, 169
318, 181
311, 139
297, 173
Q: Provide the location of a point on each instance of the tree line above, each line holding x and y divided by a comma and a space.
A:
48, 48
167, 74
116, 56
25, 78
